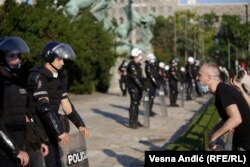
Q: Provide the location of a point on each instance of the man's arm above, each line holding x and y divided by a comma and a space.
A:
73, 116
232, 122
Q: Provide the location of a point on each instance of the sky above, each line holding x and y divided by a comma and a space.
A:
216, 1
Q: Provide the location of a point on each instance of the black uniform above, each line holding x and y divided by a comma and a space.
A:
162, 78
226, 95
173, 85
123, 80
152, 83
42, 83
196, 70
14, 109
189, 80
135, 88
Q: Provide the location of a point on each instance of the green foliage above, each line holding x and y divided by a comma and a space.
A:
234, 32
40, 24
196, 136
187, 34
162, 41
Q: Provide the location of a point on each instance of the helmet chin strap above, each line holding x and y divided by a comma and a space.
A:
57, 70
12, 69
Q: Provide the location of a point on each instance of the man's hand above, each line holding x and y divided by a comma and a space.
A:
44, 149
64, 138
84, 131
24, 158
212, 145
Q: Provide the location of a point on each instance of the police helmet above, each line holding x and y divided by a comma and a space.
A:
182, 69
161, 65
167, 67
172, 61
14, 45
197, 62
56, 49
136, 52
191, 60
151, 56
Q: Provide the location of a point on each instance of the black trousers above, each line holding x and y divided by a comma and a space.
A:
135, 97
189, 88
173, 88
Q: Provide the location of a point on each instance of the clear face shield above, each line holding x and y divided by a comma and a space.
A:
64, 51
14, 45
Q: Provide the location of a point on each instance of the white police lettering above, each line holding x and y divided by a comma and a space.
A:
76, 157
153, 158
193, 158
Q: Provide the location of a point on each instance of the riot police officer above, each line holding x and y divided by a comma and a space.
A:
123, 73
173, 82
13, 102
48, 87
152, 80
162, 76
190, 77
196, 80
135, 86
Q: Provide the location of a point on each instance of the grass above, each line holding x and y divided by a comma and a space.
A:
196, 136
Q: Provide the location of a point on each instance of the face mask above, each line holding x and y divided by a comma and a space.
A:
174, 64
15, 67
202, 88
140, 57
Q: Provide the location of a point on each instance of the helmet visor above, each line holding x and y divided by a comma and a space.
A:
13, 45
64, 51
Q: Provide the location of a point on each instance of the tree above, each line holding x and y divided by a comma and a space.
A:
93, 46
233, 35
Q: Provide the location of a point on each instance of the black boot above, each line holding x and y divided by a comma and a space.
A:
133, 120
151, 103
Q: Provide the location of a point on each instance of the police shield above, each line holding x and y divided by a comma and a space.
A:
162, 101
75, 153
146, 109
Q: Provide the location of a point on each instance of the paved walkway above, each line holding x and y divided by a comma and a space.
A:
113, 144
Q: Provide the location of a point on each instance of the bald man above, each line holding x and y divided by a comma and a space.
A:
231, 106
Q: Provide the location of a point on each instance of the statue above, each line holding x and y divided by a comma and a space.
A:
123, 30
73, 7
99, 11
146, 35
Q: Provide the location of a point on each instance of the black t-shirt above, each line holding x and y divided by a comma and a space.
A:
225, 96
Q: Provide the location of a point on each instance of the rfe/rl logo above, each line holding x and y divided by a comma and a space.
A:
76, 157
